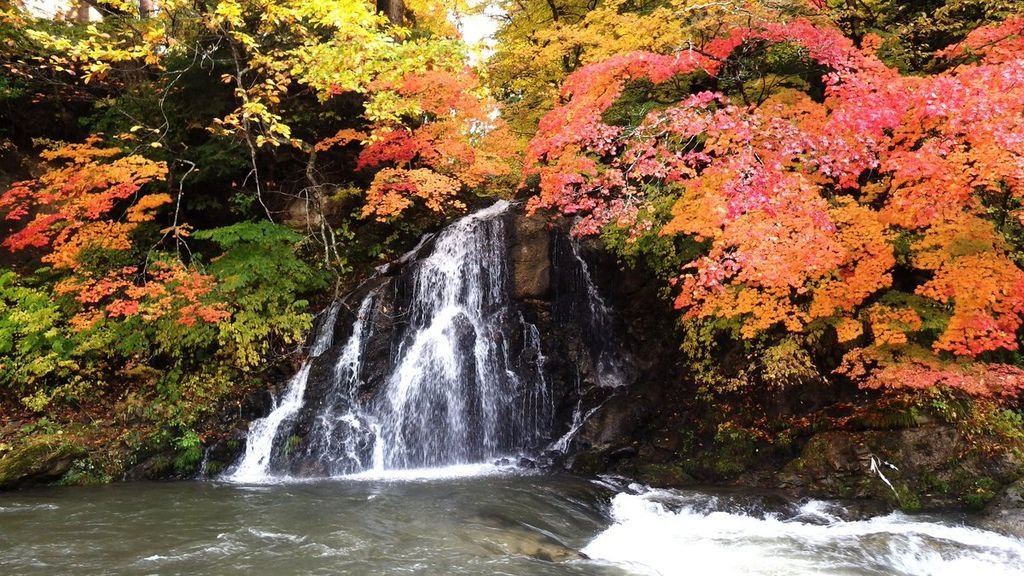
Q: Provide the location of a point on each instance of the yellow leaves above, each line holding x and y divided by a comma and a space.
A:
228, 12
537, 49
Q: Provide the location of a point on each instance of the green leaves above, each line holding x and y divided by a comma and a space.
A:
261, 275
32, 345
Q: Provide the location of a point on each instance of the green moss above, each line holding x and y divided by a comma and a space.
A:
37, 461
160, 465
663, 475
734, 451
907, 499
214, 467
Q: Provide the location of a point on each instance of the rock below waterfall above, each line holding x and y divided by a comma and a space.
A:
37, 463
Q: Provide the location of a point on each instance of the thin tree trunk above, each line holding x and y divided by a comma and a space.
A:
82, 12
393, 9
148, 8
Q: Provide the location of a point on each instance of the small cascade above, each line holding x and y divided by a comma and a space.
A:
339, 438
587, 307
263, 432
440, 368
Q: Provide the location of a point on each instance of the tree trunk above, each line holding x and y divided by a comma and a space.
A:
148, 8
82, 12
393, 9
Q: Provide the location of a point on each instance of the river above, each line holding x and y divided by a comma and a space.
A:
471, 520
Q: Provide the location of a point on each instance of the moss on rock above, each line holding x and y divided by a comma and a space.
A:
37, 462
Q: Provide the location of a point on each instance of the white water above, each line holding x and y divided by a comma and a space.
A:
667, 533
453, 397
260, 443
453, 472
465, 386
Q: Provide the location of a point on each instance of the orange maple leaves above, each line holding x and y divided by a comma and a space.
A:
803, 202
450, 140
72, 210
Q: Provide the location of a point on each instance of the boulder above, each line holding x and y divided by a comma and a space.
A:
1006, 512
37, 462
923, 468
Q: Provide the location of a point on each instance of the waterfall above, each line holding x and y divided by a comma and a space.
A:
262, 432
440, 368
587, 307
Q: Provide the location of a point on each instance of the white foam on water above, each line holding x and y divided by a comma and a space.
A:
453, 472
648, 538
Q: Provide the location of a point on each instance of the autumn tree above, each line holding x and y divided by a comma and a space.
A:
205, 170
540, 42
863, 209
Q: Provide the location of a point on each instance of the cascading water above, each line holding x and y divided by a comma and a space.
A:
463, 377
591, 312
263, 432
454, 396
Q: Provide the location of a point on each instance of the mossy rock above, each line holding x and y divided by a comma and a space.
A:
37, 462
85, 472
1006, 512
924, 468
664, 476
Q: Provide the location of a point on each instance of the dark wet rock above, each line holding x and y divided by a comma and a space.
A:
924, 468
663, 475
254, 405
1005, 513
530, 257
222, 453
37, 462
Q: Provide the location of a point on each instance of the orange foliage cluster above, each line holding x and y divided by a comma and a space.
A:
70, 200
71, 209
167, 290
803, 201
916, 369
454, 142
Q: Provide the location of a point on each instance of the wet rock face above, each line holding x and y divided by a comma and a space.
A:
1006, 512
36, 463
530, 257
924, 468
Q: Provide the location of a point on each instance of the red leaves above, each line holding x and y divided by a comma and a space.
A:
85, 183
72, 203
802, 201
449, 140
998, 44
916, 369
397, 147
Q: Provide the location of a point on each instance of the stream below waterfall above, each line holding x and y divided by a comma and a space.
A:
477, 520
364, 463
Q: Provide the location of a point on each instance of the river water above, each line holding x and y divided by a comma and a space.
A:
471, 520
